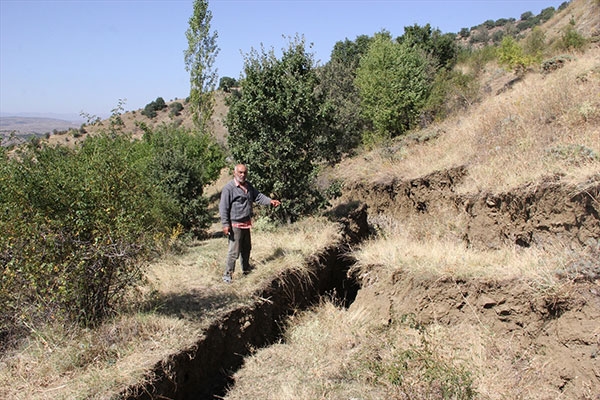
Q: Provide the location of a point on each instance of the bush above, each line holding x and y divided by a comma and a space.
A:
182, 163
555, 63
451, 91
571, 39
151, 109
175, 109
75, 224
226, 83
512, 56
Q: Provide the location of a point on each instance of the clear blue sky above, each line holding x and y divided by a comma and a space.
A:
63, 57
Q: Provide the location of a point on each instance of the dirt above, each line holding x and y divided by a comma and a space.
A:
559, 332
535, 214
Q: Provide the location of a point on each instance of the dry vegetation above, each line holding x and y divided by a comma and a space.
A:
380, 347
419, 328
183, 294
546, 124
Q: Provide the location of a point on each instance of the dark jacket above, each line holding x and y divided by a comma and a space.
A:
236, 204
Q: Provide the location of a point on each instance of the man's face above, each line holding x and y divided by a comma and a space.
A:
240, 174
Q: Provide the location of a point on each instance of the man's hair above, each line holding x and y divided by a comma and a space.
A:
240, 165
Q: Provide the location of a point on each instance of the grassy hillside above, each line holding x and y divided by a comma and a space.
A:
480, 279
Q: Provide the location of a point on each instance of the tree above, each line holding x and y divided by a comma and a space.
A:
394, 81
337, 85
349, 52
199, 60
278, 126
153, 107
226, 83
441, 47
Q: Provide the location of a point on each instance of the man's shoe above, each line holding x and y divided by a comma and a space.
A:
248, 270
226, 278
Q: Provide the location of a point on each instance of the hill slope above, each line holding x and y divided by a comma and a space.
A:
480, 277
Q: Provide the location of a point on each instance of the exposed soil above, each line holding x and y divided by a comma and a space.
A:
535, 214
559, 332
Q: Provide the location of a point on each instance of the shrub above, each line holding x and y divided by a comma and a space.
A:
511, 55
451, 91
75, 225
571, 39
182, 163
175, 109
151, 109
226, 83
555, 63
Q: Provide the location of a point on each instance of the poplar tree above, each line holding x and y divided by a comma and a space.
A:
199, 60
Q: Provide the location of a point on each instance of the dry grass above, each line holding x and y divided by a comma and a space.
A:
183, 294
59, 363
545, 124
337, 353
435, 258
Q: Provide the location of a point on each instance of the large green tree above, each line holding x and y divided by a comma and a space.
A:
442, 48
278, 126
199, 61
337, 85
394, 80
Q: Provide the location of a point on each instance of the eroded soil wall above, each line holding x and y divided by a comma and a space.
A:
525, 332
535, 214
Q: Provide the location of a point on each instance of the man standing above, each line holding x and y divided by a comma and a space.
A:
235, 209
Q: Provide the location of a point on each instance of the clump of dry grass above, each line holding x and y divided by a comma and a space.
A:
447, 258
183, 293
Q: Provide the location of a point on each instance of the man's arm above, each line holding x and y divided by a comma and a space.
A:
225, 209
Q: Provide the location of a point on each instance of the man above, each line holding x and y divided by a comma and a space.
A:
235, 208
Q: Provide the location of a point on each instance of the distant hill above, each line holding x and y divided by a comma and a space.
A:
24, 127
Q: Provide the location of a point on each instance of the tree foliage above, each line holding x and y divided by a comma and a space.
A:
77, 224
337, 85
74, 225
152, 108
512, 56
571, 39
181, 163
226, 83
440, 47
394, 81
278, 126
199, 60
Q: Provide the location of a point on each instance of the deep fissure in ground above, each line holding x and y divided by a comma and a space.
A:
530, 215
205, 370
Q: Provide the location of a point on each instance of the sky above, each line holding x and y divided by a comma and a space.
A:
62, 58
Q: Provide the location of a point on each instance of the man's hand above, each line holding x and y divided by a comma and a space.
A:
226, 230
275, 203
